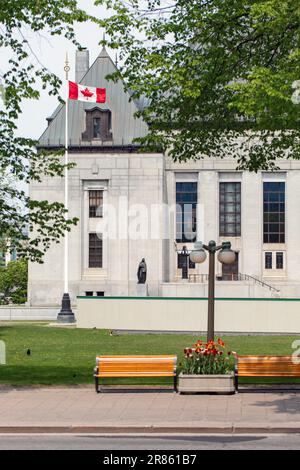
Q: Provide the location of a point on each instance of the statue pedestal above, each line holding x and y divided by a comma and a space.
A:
142, 290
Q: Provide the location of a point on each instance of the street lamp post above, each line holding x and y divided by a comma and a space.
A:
185, 262
227, 256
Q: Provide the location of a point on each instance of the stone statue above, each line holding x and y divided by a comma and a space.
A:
142, 272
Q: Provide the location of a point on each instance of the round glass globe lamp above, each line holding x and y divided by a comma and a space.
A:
226, 256
198, 256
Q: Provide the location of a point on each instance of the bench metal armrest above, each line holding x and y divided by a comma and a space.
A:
236, 371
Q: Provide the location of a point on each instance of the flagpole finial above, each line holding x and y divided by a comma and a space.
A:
103, 38
67, 67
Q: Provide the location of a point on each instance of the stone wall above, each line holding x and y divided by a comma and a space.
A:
28, 313
270, 316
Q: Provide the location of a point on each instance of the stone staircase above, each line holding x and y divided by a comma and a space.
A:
237, 286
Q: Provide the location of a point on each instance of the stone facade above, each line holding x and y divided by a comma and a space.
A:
139, 192
129, 181
140, 181
250, 244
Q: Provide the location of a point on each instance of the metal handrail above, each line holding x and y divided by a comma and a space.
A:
194, 277
248, 277
231, 277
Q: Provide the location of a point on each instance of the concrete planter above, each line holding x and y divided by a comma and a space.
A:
206, 383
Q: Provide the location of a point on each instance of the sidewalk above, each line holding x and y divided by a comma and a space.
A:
82, 410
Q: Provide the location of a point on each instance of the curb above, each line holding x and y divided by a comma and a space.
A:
147, 430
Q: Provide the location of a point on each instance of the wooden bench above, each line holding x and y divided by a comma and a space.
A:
265, 366
135, 366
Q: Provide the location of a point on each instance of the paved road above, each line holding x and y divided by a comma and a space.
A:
174, 442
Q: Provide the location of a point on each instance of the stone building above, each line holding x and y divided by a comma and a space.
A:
134, 205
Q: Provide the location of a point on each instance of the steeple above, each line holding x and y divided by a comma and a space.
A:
103, 54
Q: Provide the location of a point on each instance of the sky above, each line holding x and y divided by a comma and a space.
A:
51, 52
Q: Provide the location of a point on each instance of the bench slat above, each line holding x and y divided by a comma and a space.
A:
136, 366
265, 358
135, 358
267, 366
268, 374
136, 374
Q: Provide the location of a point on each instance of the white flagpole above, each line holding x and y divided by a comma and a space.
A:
66, 254
66, 315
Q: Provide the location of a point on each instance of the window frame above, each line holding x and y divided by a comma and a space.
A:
268, 258
282, 259
186, 211
274, 213
98, 119
105, 125
94, 211
274, 264
230, 228
95, 243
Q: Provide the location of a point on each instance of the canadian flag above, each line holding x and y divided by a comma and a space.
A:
86, 93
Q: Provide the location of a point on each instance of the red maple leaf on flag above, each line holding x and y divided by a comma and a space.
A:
87, 93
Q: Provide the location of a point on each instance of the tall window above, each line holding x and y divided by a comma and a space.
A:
268, 260
279, 260
274, 212
95, 250
95, 203
96, 128
186, 212
230, 209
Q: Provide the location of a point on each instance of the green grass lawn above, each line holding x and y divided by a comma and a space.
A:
62, 356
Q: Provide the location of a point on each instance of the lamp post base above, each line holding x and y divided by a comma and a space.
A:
66, 315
